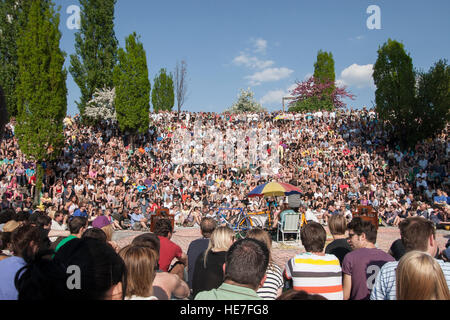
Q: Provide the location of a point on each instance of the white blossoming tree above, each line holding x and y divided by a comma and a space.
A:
101, 106
246, 103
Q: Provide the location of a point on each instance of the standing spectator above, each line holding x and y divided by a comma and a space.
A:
315, 271
208, 272
361, 266
273, 286
196, 247
169, 250
339, 246
417, 234
245, 268
420, 277
141, 266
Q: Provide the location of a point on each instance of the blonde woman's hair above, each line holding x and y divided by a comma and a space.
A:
140, 262
263, 236
419, 277
221, 240
109, 230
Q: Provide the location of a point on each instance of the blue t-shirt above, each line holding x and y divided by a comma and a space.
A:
79, 213
8, 270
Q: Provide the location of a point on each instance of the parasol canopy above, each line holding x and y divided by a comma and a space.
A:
274, 189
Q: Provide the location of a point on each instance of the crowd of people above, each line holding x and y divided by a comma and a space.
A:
106, 180
339, 160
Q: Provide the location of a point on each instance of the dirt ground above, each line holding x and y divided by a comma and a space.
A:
281, 252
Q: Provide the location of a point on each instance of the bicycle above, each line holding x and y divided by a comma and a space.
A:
242, 221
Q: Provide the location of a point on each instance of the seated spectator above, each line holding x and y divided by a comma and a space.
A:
419, 277
315, 271
417, 234
101, 274
208, 272
361, 266
339, 246
299, 295
95, 233
197, 246
141, 266
169, 250
25, 241
165, 285
77, 226
273, 285
138, 220
245, 268
58, 223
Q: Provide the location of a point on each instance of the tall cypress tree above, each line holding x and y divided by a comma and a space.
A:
13, 14
324, 73
41, 88
132, 100
96, 49
163, 96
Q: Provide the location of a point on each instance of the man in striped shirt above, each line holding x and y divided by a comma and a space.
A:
417, 233
314, 271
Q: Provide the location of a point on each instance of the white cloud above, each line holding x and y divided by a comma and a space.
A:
270, 74
275, 96
356, 75
252, 62
260, 45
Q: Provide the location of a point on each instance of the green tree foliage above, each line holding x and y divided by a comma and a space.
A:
96, 49
41, 87
13, 15
433, 98
163, 96
323, 74
395, 80
132, 100
324, 67
245, 103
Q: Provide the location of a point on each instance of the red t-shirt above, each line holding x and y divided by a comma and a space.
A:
168, 250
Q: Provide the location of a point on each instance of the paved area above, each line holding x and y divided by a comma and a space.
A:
281, 252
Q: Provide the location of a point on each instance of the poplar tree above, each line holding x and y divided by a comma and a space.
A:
132, 101
96, 49
41, 88
13, 14
163, 96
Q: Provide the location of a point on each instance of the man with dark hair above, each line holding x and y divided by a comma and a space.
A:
196, 247
165, 285
315, 271
244, 272
417, 233
169, 250
77, 226
25, 241
361, 266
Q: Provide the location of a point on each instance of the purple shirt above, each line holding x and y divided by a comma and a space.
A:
363, 266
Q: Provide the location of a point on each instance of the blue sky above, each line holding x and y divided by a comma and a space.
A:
269, 45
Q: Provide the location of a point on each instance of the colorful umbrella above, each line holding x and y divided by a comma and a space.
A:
274, 189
